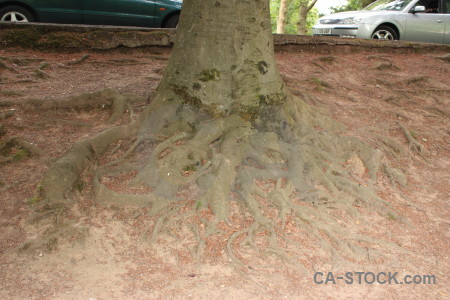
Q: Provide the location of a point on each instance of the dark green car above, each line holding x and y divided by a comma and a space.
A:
142, 13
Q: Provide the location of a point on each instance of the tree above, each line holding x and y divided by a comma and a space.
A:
223, 121
304, 9
291, 16
281, 23
352, 5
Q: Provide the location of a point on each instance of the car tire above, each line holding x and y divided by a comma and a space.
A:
172, 22
14, 13
384, 33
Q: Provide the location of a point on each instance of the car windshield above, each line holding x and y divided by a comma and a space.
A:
388, 5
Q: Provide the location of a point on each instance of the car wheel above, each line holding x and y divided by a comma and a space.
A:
385, 33
172, 22
15, 14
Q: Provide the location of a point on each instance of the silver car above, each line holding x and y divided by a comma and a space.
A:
411, 20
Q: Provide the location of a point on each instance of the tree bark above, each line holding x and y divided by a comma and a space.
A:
223, 57
305, 7
281, 23
221, 84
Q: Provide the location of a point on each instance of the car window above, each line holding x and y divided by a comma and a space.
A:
431, 6
388, 5
448, 6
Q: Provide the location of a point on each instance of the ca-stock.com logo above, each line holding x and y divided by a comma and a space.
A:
372, 278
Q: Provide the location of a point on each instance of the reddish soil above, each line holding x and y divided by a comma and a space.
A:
372, 94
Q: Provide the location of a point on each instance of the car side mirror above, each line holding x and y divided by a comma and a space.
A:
418, 9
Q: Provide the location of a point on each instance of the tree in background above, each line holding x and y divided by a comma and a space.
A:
352, 5
281, 23
291, 16
304, 8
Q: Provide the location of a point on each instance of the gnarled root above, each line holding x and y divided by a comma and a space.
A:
19, 143
300, 173
65, 171
118, 103
254, 179
414, 145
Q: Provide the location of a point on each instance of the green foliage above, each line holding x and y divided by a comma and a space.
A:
316, 80
79, 186
20, 155
21, 37
311, 19
190, 168
352, 5
292, 10
198, 205
392, 217
40, 74
39, 196
33, 200
190, 156
208, 75
320, 83
327, 59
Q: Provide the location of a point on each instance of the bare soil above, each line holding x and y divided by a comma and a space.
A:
397, 101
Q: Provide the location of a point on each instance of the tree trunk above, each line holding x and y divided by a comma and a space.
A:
223, 57
305, 7
281, 23
302, 14
222, 69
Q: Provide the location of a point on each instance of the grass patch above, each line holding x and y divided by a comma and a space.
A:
20, 155
392, 217
39, 196
320, 83
190, 168
327, 59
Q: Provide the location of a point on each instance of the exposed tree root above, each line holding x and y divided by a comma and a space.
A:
414, 145
3, 130
438, 111
78, 61
6, 67
53, 237
65, 171
24, 149
379, 57
118, 103
62, 121
386, 66
445, 58
21, 61
391, 146
290, 159
41, 74
6, 115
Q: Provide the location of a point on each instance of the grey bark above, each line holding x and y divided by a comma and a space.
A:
281, 22
223, 57
305, 7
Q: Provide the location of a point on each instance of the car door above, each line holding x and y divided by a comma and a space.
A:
59, 11
120, 12
427, 26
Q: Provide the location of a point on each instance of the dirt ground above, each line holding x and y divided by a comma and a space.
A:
374, 94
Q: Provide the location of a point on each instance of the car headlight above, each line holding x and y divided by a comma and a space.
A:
351, 20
